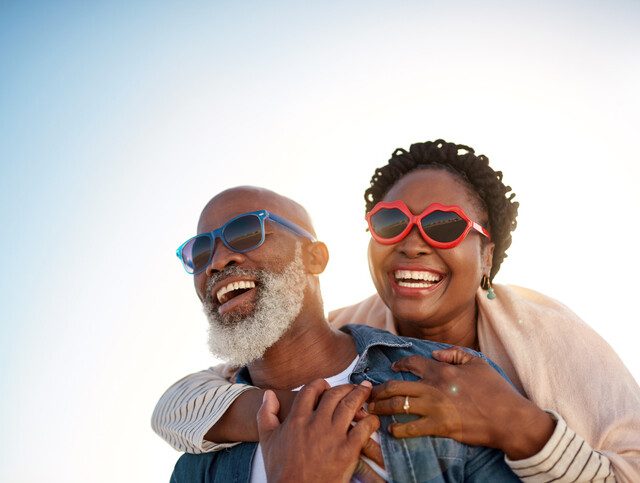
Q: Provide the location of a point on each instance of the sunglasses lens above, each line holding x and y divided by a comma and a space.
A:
197, 253
443, 226
389, 222
243, 233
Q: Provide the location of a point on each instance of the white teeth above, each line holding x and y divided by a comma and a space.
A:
415, 284
233, 286
415, 275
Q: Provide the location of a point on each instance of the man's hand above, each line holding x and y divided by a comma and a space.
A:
316, 442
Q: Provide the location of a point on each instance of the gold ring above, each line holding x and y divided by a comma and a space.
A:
405, 406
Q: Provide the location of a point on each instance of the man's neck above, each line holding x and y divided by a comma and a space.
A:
311, 349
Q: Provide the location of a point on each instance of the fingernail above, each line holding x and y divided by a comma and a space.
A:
264, 397
371, 406
366, 383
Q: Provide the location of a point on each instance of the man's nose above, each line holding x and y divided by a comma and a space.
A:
222, 258
413, 245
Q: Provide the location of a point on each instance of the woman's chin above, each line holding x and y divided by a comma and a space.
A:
413, 314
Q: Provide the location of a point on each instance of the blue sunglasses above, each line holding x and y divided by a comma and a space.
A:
240, 234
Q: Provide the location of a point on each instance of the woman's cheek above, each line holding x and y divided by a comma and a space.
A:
375, 264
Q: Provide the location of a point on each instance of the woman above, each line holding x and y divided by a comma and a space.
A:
435, 282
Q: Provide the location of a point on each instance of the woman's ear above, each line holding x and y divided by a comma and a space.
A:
487, 257
316, 257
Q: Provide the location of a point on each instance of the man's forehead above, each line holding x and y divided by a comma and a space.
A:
244, 199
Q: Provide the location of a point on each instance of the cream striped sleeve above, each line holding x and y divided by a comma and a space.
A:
565, 458
187, 410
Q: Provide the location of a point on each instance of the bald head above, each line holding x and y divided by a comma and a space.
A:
243, 199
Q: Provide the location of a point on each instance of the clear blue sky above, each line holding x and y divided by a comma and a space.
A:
119, 121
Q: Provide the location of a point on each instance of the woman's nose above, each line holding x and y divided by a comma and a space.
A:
413, 245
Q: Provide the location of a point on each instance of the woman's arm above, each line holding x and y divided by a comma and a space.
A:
463, 398
238, 423
565, 457
188, 410
204, 412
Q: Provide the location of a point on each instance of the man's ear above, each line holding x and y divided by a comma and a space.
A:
316, 257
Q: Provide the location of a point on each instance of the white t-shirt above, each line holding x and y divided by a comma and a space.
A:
258, 473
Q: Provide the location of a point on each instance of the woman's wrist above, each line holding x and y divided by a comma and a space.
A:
238, 423
528, 431
285, 398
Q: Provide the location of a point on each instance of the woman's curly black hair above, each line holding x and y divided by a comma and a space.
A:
474, 171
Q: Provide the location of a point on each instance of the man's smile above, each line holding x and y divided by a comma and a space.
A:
233, 289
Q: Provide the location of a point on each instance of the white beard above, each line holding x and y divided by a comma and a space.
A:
241, 340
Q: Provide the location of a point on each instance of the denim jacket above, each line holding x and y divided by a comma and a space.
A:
421, 459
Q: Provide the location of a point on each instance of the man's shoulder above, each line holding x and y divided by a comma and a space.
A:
189, 465
232, 463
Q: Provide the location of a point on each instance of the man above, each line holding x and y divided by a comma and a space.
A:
255, 264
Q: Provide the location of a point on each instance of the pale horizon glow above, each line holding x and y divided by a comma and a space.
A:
119, 122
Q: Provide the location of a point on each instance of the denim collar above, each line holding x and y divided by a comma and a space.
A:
365, 338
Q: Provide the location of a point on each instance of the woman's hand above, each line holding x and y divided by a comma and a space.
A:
316, 441
462, 397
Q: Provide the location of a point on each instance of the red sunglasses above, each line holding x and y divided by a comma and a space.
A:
441, 226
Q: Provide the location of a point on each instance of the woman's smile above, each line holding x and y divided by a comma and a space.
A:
415, 281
